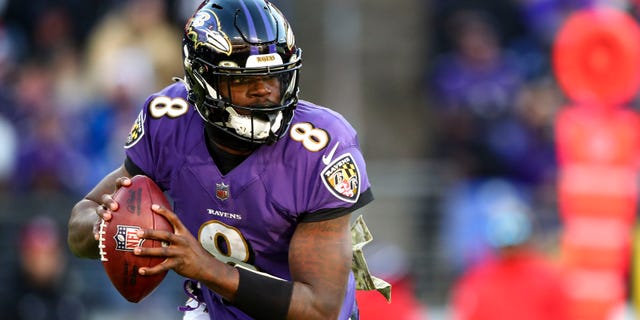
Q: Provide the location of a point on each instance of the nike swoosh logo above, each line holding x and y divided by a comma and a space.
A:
326, 159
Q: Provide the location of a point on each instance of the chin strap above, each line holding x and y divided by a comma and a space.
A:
276, 122
252, 128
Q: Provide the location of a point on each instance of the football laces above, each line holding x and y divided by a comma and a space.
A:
101, 240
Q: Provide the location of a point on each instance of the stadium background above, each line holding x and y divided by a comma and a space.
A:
70, 69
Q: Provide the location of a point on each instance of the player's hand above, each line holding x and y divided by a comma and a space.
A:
105, 209
184, 254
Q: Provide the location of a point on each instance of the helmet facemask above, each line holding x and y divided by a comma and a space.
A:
256, 124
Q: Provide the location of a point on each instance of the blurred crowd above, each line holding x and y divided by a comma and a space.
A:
73, 75
493, 90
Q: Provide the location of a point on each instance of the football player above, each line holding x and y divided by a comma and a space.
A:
263, 184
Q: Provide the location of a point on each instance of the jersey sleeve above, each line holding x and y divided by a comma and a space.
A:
343, 187
138, 144
151, 143
336, 180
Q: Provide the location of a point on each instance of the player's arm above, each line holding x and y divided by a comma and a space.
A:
86, 214
319, 262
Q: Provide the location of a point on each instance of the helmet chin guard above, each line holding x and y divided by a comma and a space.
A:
252, 127
234, 41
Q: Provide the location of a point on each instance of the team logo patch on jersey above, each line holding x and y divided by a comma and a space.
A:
127, 238
136, 132
342, 178
222, 191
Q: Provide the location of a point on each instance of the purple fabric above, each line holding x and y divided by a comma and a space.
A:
257, 205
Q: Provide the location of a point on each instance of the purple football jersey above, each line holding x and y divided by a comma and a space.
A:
248, 215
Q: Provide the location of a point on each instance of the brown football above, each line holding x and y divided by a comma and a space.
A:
118, 238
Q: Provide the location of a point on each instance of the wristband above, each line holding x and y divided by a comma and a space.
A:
262, 296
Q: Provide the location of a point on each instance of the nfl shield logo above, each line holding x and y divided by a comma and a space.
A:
127, 238
222, 191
